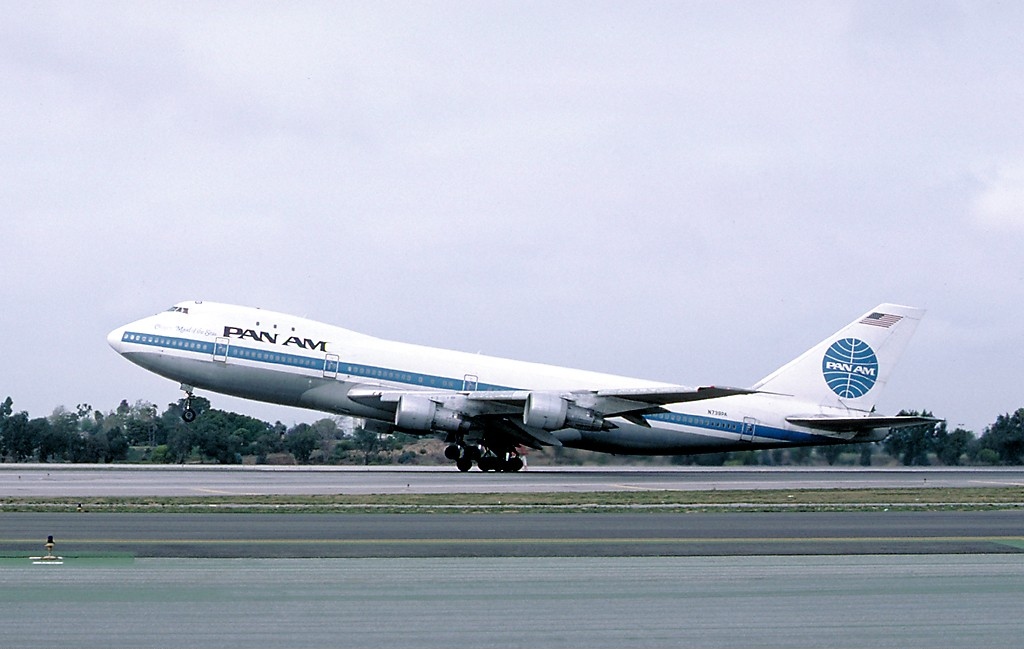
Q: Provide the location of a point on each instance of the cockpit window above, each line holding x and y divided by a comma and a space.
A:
178, 309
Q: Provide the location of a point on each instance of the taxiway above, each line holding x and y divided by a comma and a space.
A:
40, 480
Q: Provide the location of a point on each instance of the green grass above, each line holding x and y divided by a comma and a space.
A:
613, 501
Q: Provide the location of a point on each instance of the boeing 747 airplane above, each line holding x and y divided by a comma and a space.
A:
490, 408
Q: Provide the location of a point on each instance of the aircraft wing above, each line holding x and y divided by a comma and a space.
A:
669, 395
858, 424
605, 403
529, 417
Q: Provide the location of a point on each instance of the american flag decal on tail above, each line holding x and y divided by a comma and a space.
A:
881, 320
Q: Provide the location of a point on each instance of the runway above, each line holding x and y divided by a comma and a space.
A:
514, 535
876, 578
899, 602
40, 480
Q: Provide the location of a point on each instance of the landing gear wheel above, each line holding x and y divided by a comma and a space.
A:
514, 464
189, 415
452, 452
464, 464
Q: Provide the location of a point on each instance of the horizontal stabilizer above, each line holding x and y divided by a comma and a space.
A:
857, 424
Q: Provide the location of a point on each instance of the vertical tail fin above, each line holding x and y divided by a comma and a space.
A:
850, 368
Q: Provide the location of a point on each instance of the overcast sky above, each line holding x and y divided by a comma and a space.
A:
691, 192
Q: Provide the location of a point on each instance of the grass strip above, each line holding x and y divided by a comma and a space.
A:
563, 502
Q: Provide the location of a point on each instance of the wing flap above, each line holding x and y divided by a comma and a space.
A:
532, 437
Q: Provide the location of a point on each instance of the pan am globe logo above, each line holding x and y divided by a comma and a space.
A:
850, 368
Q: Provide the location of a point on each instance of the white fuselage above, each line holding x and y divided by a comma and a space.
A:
283, 359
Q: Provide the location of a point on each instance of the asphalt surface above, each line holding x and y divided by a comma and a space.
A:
20, 480
513, 535
763, 602
898, 579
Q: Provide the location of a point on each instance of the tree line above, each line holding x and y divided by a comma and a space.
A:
139, 432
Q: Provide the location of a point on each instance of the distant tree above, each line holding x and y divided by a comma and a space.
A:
344, 451
744, 458
374, 447
800, 455
270, 442
866, 451
58, 439
161, 455
710, 459
910, 444
90, 447
831, 453
211, 437
950, 448
139, 423
83, 411
117, 445
265, 444
1006, 438
45, 443
327, 433
179, 444
227, 436
19, 441
6, 408
300, 442
986, 456
181, 439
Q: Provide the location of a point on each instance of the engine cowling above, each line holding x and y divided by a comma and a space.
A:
550, 411
545, 410
420, 413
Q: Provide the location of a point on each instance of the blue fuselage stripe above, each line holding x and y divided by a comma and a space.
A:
331, 365
328, 363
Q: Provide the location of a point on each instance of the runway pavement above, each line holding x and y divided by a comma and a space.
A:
21, 480
784, 579
514, 535
763, 602
500, 534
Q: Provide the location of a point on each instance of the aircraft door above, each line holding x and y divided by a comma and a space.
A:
220, 350
469, 382
749, 428
331, 366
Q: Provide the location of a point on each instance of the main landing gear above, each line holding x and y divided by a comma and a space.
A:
485, 459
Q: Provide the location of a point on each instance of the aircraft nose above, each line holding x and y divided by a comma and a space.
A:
114, 338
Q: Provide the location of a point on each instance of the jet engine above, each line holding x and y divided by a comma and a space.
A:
420, 413
550, 411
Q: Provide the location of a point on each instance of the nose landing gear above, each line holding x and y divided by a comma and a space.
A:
188, 414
